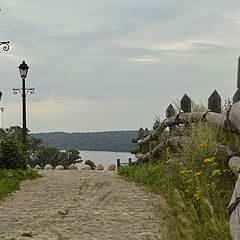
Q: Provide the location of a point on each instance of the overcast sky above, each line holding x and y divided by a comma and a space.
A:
102, 65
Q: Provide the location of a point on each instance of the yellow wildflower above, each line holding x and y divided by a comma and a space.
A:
216, 172
208, 160
189, 180
204, 144
214, 164
213, 184
197, 173
187, 190
185, 171
197, 195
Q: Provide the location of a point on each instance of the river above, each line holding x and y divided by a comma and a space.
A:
106, 158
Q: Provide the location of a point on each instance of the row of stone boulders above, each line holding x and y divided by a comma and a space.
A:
100, 167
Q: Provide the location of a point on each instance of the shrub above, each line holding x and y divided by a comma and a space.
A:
12, 154
90, 163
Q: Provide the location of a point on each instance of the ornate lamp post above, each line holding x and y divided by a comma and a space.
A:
5, 45
23, 69
1, 110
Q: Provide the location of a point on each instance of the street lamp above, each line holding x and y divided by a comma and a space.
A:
1, 110
5, 45
23, 69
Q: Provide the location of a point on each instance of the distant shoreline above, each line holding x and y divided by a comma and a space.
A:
109, 141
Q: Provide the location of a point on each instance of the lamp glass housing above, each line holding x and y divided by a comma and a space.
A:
23, 69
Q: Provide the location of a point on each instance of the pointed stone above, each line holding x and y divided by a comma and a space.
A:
238, 74
146, 132
236, 96
140, 133
185, 103
170, 111
214, 102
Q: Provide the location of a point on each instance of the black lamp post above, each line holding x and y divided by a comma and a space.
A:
5, 45
23, 69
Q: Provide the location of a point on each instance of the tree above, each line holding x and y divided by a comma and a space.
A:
91, 164
33, 145
15, 132
12, 155
45, 155
73, 156
51, 155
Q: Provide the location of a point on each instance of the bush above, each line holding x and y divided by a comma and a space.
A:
91, 164
12, 154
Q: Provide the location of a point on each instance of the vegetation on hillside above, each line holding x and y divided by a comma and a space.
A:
113, 141
194, 181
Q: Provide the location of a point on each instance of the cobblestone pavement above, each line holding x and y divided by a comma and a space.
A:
86, 205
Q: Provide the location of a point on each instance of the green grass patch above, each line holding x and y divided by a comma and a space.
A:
10, 180
195, 183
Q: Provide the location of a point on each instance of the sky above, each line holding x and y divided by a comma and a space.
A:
102, 65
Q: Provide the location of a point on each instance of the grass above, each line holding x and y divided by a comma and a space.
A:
195, 183
10, 180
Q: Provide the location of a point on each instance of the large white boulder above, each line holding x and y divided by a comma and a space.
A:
73, 167
100, 166
48, 167
86, 167
59, 167
37, 167
112, 167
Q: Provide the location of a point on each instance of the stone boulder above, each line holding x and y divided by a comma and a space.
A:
112, 167
100, 166
59, 167
73, 167
37, 167
48, 167
86, 167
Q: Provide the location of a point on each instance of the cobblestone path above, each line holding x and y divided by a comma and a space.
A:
86, 205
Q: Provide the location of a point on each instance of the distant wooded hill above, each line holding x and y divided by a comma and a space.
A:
114, 141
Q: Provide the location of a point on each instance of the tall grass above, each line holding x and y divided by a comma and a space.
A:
195, 183
10, 180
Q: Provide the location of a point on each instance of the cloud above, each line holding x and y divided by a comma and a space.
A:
98, 64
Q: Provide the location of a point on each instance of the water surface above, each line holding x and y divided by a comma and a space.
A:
106, 158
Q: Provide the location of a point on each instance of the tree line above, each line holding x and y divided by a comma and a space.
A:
114, 141
13, 155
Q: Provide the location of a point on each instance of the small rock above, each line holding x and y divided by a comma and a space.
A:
37, 167
59, 167
100, 166
73, 167
86, 167
48, 167
112, 167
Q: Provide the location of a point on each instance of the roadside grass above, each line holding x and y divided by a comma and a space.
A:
195, 183
10, 180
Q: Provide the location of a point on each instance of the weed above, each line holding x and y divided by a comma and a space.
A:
10, 180
27, 234
196, 185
